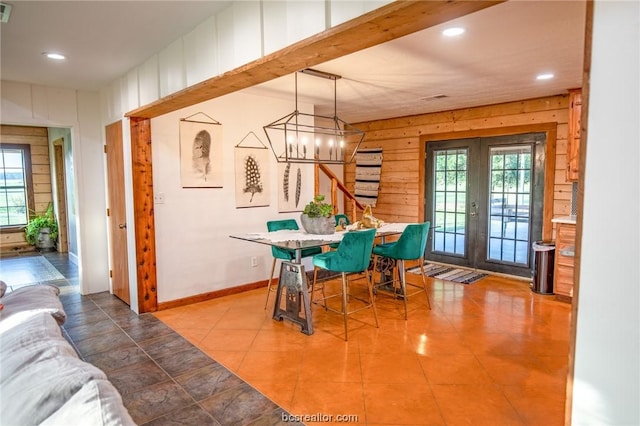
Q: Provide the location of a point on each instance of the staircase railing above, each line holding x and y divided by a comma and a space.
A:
337, 184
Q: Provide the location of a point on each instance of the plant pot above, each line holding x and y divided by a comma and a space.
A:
318, 225
44, 241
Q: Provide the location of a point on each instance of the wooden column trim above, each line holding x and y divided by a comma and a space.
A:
584, 139
143, 214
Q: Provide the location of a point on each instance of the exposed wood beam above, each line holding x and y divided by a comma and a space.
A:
386, 23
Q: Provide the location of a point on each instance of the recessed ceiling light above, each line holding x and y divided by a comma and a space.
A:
545, 76
453, 31
52, 55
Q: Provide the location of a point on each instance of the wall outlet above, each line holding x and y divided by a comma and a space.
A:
158, 198
254, 261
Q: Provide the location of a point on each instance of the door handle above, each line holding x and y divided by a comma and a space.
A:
122, 226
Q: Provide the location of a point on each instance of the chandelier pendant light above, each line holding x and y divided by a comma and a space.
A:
299, 137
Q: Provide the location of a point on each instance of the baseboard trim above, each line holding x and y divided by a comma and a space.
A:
212, 295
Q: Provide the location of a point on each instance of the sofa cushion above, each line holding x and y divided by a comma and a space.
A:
48, 374
97, 403
39, 298
29, 337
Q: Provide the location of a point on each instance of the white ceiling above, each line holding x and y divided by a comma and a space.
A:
496, 60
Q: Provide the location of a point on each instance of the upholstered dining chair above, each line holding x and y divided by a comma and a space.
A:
284, 254
410, 246
352, 256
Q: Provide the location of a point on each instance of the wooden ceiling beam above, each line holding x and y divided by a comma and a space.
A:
386, 23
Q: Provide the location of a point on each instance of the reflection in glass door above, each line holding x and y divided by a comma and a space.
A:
484, 200
510, 213
450, 201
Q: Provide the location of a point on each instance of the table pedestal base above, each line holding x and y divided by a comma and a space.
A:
293, 281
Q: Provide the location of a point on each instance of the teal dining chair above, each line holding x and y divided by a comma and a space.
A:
352, 256
410, 246
284, 254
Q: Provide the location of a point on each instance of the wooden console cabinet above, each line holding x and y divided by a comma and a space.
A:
573, 134
564, 255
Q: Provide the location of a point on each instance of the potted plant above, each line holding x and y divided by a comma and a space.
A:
42, 230
317, 217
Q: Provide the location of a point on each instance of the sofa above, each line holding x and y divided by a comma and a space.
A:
42, 379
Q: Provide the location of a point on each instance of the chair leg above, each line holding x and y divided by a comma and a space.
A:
273, 268
403, 285
371, 299
313, 289
424, 282
344, 304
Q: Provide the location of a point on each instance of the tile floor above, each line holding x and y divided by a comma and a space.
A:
163, 379
489, 353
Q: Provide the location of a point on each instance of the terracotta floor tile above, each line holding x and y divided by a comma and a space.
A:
453, 369
476, 405
329, 399
330, 365
401, 404
274, 366
392, 368
242, 319
229, 340
519, 370
538, 405
441, 343
490, 353
269, 339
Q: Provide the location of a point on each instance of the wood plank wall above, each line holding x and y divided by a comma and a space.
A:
38, 139
401, 194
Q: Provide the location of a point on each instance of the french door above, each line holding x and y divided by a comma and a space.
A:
484, 201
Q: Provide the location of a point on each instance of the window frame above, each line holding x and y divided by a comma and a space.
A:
26, 152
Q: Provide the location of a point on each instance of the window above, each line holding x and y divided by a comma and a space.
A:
16, 188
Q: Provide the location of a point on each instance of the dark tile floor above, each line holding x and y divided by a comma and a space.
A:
163, 379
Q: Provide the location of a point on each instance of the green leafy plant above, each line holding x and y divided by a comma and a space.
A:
318, 208
39, 221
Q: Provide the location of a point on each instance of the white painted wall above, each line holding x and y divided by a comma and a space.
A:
32, 105
194, 253
606, 388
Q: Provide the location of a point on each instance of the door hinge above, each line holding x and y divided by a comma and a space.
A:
108, 212
110, 273
105, 149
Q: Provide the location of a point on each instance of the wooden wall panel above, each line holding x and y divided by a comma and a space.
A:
401, 190
38, 140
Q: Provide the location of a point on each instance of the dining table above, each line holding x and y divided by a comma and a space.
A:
293, 281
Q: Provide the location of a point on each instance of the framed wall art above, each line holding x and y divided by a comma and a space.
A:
252, 172
201, 152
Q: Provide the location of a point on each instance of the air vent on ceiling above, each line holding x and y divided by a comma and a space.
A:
5, 11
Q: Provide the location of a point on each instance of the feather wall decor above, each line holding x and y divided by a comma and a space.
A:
285, 182
253, 184
298, 186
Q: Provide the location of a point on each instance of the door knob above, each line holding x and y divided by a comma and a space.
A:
122, 226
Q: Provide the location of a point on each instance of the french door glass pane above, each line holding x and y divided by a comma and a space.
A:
450, 201
509, 204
